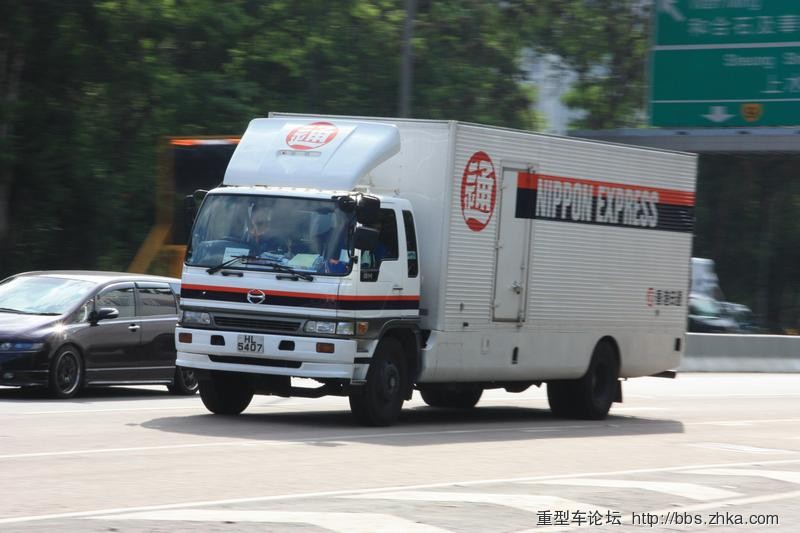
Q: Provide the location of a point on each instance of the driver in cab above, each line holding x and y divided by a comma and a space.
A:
266, 237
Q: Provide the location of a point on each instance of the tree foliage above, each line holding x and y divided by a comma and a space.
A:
88, 87
604, 43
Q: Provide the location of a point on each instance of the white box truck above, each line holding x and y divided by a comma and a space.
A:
379, 256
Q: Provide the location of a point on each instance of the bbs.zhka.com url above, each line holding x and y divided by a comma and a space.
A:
668, 518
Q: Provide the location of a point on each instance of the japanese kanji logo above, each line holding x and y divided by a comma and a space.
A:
478, 191
311, 136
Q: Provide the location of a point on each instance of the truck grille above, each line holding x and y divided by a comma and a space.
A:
264, 325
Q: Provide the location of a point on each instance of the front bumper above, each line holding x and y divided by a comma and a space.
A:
302, 360
22, 369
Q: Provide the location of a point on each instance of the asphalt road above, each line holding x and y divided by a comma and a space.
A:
704, 452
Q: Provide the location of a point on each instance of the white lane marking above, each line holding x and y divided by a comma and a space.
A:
295, 442
114, 410
343, 522
744, 421
636, 409
727, 503
525, 502
691, 491
375, 490
117, 450
779, 475
741, 448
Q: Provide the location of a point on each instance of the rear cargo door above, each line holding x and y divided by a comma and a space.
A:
513, 243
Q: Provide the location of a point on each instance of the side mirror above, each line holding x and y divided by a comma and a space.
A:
367, 209
191, 202
365, 238
345, 203
199, 195
104, 313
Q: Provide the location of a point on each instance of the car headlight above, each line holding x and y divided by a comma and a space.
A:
195, 318
20, 346
329, 328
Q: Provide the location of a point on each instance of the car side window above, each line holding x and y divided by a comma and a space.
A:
120, 299
156, 299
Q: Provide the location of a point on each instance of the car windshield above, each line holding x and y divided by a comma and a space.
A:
306, 235
42, 295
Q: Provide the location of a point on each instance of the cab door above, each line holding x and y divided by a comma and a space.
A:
382, 274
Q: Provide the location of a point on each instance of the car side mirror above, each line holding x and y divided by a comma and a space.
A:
365, 238
104, 313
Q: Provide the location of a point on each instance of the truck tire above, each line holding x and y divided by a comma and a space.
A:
184, 382
379, 401
226, 393
458, 398
590, 397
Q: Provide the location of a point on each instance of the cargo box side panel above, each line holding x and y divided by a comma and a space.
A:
624, 271
479, 156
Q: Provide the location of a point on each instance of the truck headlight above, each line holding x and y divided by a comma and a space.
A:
329, 328
195, 318
345, 328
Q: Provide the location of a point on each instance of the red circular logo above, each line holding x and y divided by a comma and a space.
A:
310, 136
478, 191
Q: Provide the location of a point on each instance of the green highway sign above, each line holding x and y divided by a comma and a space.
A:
724, 63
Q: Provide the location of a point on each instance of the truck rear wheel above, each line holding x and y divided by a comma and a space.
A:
590, 397
456, 398
379, 401
226, 393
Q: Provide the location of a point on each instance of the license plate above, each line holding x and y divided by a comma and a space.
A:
250, 343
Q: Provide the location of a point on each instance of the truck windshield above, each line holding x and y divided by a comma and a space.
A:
308, 235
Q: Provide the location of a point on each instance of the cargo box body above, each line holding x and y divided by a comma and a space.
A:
535, 247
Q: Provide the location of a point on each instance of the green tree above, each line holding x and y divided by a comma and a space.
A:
605, 43
88, 88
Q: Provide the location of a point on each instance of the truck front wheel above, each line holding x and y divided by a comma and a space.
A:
226, 393
379, 401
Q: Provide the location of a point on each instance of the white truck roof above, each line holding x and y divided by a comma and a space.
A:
306, 152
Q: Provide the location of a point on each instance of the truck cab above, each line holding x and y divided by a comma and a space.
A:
282, 282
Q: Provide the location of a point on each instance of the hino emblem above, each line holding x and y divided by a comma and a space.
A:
255, 296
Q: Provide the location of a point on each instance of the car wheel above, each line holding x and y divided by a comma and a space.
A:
184, 382
226, 393
379, 401
66, 373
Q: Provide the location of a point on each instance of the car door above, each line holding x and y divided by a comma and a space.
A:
158, 315
112, 346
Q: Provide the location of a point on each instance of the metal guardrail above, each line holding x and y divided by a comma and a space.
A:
715, 352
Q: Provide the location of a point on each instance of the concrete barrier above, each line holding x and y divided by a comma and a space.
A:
714, 352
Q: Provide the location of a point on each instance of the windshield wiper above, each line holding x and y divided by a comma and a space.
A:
287, 269
215, 269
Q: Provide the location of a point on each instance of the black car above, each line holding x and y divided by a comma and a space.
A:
69, 329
